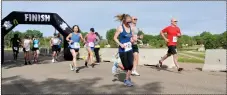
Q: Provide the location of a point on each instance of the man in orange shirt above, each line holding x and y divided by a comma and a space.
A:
173, 32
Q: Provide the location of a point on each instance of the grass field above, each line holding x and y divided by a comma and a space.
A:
187, 59
201, 55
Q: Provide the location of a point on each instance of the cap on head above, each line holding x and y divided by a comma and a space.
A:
92, 30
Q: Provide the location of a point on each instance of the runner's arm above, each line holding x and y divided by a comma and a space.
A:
98, 40
85, 37
82, 39
69, 36
116, 36
162, 33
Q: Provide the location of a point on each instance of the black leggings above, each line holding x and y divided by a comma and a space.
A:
127, 59
96, 50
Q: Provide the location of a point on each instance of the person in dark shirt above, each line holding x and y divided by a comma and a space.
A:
15, 42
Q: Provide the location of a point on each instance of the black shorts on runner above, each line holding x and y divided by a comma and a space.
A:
127, 59
76, 50
59, 49
34, 49
55, 48
25, 50
135, 48
16, 50
172, 50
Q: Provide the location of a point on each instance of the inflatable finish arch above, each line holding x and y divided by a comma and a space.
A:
17, 17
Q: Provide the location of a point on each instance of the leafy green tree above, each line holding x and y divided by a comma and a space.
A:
109, 37
34, 33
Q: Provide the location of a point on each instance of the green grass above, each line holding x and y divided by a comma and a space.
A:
201, 55
186, 59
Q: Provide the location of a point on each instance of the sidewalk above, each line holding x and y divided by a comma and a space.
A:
56, 78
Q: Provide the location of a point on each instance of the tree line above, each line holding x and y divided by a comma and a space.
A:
209, 40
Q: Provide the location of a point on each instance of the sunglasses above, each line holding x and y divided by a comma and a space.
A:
175, 21
135, 19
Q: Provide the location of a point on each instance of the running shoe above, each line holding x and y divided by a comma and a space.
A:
53, 60
114, 68
159, 65
93, 65
25, 63
97, 63
86, 64
128, 83
29, 63
71, 67
134, 72
77, 70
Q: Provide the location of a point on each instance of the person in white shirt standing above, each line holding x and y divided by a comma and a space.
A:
26, 48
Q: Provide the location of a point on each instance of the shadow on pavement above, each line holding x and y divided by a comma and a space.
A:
16, 84
200, 69
10, 63
164, 67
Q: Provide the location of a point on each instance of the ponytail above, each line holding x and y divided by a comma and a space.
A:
121, 17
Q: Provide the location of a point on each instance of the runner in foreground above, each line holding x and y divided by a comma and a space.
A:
35, 49
74, 45
173, 32
90, 39
54, 43
136, 38
26, 48
15, 41
125, 46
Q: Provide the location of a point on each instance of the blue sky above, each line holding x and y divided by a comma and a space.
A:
194, 16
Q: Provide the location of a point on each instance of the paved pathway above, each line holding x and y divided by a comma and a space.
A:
56, 78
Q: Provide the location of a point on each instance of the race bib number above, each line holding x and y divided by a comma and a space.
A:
174, 39
36, 46
15, 48
76, 45
128, 46
91, 44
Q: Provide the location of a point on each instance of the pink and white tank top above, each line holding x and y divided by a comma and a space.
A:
91, 39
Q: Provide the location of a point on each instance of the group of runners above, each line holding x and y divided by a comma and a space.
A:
29, 44
126, 36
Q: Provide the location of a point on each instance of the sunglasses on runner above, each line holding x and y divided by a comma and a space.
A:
135, 19
175, 21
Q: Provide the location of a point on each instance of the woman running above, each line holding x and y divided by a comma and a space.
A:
35, 49
74, 45
97, 48
26, 48
124, 33
54, 42
90, 39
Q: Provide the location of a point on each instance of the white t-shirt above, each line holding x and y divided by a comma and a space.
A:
55, 41
27, 44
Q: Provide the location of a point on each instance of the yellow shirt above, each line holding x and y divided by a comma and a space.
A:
97, 46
